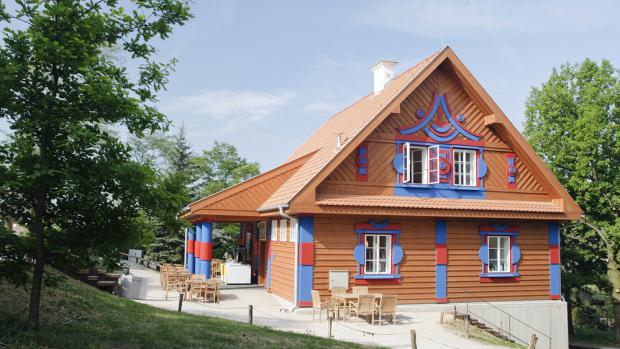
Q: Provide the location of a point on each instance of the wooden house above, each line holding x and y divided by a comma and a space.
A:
423, 189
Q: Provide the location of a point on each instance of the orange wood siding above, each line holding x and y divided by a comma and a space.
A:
333, 250
335, 240
381, 148
464, 265
283, 267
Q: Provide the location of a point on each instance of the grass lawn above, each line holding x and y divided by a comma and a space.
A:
75, 315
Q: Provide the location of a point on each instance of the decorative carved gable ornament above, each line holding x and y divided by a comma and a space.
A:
439, 123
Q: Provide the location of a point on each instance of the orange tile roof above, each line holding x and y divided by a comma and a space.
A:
349, 123
439, 203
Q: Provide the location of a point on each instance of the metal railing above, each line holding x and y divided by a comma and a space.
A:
511, 318
140, 260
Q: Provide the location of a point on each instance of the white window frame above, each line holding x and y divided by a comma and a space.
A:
497, 254
274, 230
283, 224
376, 248
407, 163
294, 235
433, 149
460, 165
424, 162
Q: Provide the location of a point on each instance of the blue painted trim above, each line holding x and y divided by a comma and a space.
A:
441, 146
441, 277
382, 232
305, 273
499, 275
498, 233
379, 225
377, 276
190, 263
441, 270
359, 254
207, 232
555, 279
441, 232
434, 191
439, 100
554, 234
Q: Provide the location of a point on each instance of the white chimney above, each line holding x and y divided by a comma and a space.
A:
382, 72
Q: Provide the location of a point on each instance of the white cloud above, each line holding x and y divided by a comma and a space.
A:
461, 18
246, 105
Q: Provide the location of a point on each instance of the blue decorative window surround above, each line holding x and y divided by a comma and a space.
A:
515, 253
379, 228
440, 128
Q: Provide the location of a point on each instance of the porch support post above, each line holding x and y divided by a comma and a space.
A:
206, 252
555, 288
441, 261
305, 264
191, 240
197, 248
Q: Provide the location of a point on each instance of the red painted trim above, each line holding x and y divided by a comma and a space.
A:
190, 246
206, 251
377, 281
555, 297
441, 300
304, 304
554, 254
500, 280
358, 158
197, 249
441, 253
306, 253
508, 184
368, 226
465, 142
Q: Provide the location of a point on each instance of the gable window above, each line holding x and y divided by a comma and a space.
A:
378, 254
499, 254
421, 164
274, 230
464, 167
283, 230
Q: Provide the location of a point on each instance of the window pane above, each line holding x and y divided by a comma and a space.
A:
382, 253
370, 266
382, 240
492, 242
382, 267
370, 241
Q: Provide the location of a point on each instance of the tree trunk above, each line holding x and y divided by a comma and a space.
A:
569, 310
37, 279
614, 278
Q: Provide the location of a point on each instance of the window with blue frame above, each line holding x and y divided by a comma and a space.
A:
499, 252
378, 252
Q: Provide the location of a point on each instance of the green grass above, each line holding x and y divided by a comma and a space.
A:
479, 335
75, 315
593, 336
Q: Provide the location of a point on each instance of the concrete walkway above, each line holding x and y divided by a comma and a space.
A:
272, 312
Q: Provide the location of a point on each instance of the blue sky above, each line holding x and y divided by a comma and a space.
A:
263, 75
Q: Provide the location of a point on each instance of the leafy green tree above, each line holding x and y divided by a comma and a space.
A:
573, 122
171, 157
66, 177
219, 168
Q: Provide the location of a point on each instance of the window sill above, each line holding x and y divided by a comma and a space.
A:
377, 279
500, 277
438, 186
376, 276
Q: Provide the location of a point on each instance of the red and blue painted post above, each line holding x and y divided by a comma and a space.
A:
191, 240
305, 261
197, 245
441, 264
555, 284
206, 248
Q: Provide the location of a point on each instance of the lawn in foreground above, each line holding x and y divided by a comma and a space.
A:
75, 315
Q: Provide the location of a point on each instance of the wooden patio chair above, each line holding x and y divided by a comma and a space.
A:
339, 290
318, 304
339, 304
212, 291
365, 306
357, 290
216, 268
198, 289
386, 307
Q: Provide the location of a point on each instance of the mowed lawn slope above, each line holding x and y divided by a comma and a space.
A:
75, 315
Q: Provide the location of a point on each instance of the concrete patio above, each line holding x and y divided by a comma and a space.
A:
273, 312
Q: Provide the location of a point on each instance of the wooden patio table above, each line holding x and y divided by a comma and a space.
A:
349, 299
